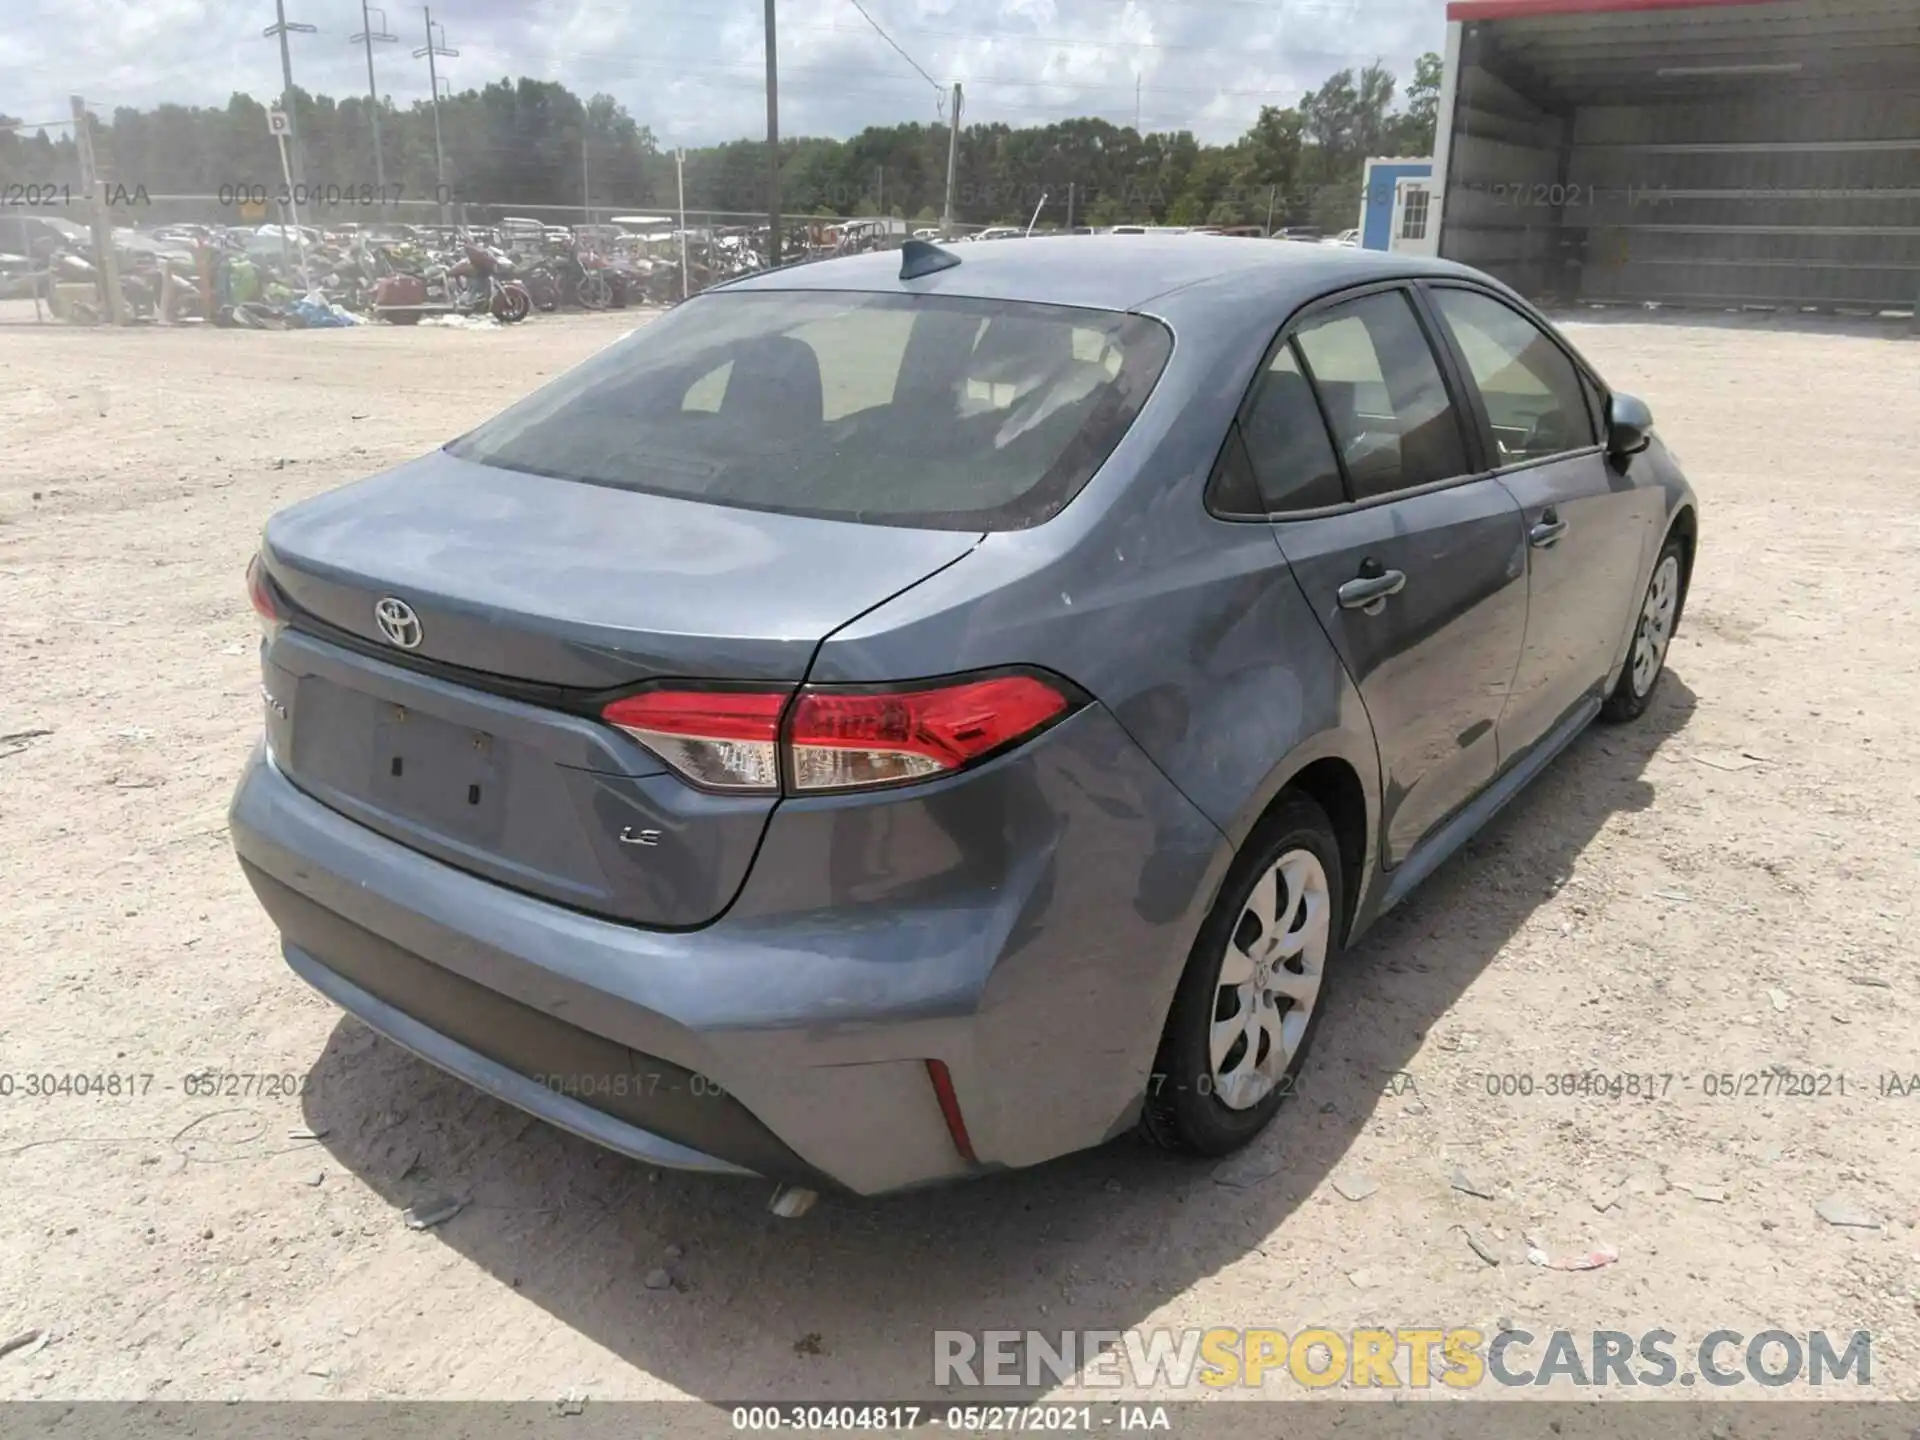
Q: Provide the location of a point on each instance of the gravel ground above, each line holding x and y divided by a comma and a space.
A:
1726, 887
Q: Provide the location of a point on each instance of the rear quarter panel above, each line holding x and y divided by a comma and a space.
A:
1191, 630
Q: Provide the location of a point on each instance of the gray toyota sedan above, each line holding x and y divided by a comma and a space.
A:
919, 714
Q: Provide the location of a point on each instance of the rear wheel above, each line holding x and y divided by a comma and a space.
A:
1250, 1000
594, 292
1652, 635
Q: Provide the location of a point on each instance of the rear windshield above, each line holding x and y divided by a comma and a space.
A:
891, 409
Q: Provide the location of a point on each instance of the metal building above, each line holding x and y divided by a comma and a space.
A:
1691, 152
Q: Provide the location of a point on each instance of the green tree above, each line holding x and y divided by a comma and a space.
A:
1413, 128
519, 143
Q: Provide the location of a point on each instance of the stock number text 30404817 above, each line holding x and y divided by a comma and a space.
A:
253, 193
1779, 1082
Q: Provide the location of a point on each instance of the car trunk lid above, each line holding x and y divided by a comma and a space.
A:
468, 730
570, 584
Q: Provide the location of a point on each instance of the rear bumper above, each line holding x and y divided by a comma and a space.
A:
1025, 925
501, 1081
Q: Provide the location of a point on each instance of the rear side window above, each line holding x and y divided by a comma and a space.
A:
1534, 396
889, 409
1385, 398
1287, 442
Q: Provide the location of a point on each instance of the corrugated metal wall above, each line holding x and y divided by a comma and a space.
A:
1813, 202
1506, 151
1767, 197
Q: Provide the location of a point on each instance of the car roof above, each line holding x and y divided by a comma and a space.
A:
1110, 272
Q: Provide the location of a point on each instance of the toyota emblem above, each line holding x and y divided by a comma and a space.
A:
398, 623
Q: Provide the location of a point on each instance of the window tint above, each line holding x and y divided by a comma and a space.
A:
1232, 491
1293, 460
709, 390
859, 351
1535, 398
1384, 394
1596, 404
883, 408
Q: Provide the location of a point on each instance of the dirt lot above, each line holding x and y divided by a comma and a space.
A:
1726, 887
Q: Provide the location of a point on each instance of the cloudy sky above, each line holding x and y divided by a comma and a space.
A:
693, 70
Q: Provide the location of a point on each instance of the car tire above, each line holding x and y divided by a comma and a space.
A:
1654, 624
1212, 1091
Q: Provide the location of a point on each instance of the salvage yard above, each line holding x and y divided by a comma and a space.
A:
1727, 887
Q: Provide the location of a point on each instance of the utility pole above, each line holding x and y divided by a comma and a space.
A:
1070, 188
953, 162
586, 178
680, 176
366, 37
102, 216
431, 49
282, 27
773, 142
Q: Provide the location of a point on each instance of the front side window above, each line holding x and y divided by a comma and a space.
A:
1392, 418
882, 408
1534, 396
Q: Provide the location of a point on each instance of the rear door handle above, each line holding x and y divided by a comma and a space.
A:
1369, 593
1546, 534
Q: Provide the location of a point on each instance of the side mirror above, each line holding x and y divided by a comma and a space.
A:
1629, 425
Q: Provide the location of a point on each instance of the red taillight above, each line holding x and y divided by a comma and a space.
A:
260, 594
843, 740
835, 738
720, 739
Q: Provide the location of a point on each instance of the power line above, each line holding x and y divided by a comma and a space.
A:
819, 80
1022, 37
896, 44
829, 74
1279, 50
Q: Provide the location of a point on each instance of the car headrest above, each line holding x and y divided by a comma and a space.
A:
1014, 349
775, 384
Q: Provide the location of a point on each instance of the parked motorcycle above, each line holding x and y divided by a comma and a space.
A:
487, 286
473, 285
543, 286
401, 298
564, 271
